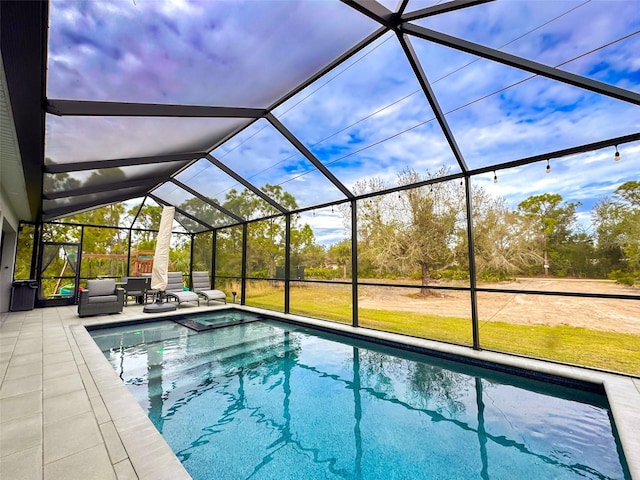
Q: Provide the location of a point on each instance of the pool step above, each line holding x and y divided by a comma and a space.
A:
200, 327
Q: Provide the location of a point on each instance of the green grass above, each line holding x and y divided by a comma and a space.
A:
566, 344
581, 346
446, 329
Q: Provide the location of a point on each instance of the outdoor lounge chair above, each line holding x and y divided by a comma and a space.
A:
136, 287
175, 291
202, 286
100, 297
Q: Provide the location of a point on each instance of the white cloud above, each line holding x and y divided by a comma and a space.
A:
245, 54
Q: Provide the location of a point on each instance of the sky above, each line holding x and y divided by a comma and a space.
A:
367, 118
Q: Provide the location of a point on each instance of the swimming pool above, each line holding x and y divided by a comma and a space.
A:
264, 399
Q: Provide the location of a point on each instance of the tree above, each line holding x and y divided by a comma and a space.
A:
59, 182
304, 249
103, 240
205, 212
24, 251
617, 222
266, 238
501, 244
105, 176
149, 220
415, 229
428, 231
375, 231
202, 251
552, 222
340, 253
229, 251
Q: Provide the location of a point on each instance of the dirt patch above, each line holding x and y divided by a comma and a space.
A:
594, 313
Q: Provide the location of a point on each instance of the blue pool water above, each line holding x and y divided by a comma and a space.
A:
267, 400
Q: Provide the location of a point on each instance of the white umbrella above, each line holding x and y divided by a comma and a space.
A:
163, 245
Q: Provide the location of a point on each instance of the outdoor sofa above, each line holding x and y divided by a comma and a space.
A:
101, 297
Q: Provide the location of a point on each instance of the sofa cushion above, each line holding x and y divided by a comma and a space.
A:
103, 299
98, 288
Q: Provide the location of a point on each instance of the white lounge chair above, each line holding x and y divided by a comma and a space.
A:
175, 289
202, 286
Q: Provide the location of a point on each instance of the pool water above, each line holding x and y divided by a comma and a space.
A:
265, 400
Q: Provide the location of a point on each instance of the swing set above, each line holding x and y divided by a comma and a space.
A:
142, 263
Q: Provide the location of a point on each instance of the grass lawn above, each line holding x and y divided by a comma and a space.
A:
566, 344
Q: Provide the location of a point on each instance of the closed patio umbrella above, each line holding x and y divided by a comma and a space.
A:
159, 275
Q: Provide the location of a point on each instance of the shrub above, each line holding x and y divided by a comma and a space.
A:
490, 276
624, 278
323, 273
451, 274
260, 274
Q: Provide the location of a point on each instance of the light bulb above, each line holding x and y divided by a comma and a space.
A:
548, 167
616, 156
495, 177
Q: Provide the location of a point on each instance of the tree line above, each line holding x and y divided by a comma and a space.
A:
423, 233
416, 233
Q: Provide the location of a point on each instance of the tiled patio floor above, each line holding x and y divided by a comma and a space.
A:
64, 413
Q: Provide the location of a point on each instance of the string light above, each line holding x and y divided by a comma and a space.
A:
495, 177
548, 166
616, 156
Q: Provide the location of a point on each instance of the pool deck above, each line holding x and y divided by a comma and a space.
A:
64, 412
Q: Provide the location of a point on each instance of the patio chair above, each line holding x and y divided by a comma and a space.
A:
202, 286
175, 289
100, 297
136, 287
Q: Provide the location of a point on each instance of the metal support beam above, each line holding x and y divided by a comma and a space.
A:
401, 7
181, 212
107, 187
61, 211
120, 162
354, 263
374, 10
441, 8
87, 108
191, 255
37, 242
287, 263
245, 183
206, 200
214, 242
431, 98
472, 265
129, 253
565, 152
243, 274
133, 222
522, 63
308, 155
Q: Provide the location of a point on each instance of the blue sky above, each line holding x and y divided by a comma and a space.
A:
367, 118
